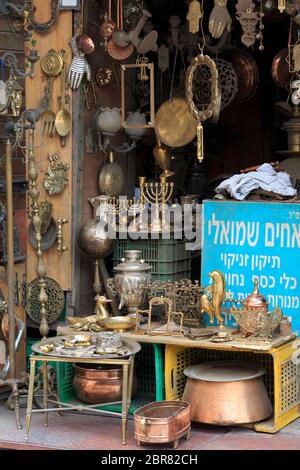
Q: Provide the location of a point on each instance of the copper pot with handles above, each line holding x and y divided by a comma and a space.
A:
227, 393
162, 421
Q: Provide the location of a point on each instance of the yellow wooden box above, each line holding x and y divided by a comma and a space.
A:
281, 379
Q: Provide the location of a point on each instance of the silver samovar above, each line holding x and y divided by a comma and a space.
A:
132, 276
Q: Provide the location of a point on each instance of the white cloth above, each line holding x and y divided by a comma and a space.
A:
265, 177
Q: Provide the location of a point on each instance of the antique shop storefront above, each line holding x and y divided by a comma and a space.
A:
150, 222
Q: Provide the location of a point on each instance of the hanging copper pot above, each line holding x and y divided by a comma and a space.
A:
247, 73
227, 392
280, 68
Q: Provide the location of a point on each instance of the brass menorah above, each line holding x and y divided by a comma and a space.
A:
122, 208
157, 194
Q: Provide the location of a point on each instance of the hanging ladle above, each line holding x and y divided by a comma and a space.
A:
63, 117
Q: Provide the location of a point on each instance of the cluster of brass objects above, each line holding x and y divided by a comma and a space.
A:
54, 64
106, 343
185, 295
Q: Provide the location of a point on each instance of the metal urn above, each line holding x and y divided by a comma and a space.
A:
94, 240
132, 274
93, 237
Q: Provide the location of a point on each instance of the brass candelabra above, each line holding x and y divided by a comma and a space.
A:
157, 194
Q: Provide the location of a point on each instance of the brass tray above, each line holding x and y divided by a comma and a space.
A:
81, 352
174, 125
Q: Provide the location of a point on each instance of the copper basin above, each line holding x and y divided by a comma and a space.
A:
162, 421
100, 384
227, 393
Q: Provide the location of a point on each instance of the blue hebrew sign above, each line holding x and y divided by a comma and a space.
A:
248, 240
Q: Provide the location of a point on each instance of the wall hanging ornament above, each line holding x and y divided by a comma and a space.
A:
293, 58
219, 19
56, 175
194, 15
119, 47
42, 27
202, 111
259, 35
55, 300
174, 124
228, 83
103, 76
56, 5
108, 26
281, 5
248, 19
52, 65
79, 65
145, 73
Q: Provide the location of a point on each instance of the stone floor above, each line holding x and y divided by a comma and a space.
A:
86, 432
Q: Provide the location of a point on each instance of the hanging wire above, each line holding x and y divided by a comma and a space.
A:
173, 74
202, 47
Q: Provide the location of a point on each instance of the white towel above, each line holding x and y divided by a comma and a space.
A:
265, 177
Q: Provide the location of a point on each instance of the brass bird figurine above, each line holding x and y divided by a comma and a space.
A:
102, 311
213, 307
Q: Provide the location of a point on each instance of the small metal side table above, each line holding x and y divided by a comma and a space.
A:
127, 365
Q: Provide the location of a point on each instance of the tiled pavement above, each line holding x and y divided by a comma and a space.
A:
86, 432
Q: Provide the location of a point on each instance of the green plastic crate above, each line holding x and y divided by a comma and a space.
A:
168, 257
149, 363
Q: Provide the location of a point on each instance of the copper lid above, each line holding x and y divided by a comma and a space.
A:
256, 300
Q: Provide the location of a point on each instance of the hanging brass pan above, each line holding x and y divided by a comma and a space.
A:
174, 125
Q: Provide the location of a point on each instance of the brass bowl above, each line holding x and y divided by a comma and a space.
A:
119, 323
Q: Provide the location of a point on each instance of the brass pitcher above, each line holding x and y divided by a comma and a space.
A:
162, 157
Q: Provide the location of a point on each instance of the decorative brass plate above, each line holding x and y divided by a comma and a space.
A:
174, 125
52, 64
55, 302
